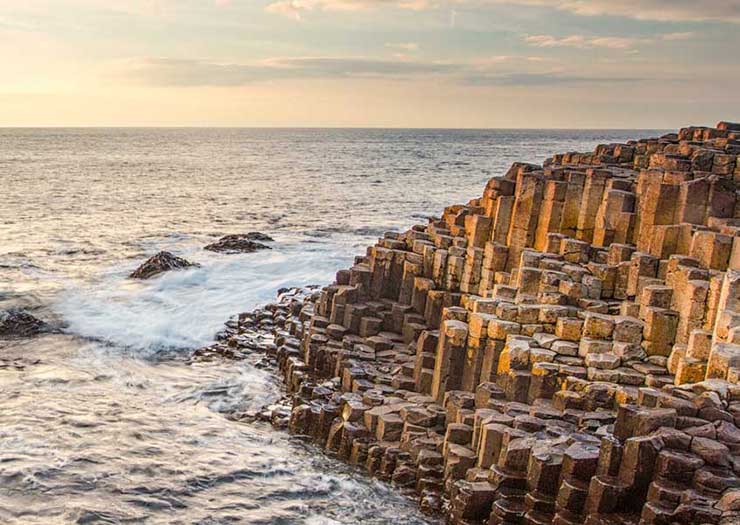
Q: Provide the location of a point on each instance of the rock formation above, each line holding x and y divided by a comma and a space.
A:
240, 243
17, 323
162, 262
563, 350
259, 236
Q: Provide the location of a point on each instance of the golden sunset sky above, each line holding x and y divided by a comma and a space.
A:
395, 63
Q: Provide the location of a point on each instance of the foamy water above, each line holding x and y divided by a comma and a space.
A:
106, 422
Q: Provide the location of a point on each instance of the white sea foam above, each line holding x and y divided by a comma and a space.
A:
184, 309
321, 520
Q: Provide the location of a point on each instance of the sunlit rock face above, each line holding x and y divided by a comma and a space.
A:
17, 323
564, 349
162, 262
240, 243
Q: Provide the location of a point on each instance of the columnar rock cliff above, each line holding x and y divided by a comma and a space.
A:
563, 350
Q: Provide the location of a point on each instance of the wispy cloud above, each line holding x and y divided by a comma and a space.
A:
403, 46
546, 79
688, 35
295, 8
288, 8
577, 41
507, 60
179, 72
609, 42
581, 41
501, 70
662, 10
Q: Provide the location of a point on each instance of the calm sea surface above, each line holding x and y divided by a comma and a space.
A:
106, 422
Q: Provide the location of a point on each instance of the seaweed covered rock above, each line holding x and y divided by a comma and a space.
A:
162, 262
17, 323
240, 243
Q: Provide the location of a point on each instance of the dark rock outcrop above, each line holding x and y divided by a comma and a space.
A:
162, 262
17, 323
259, 236
239, 243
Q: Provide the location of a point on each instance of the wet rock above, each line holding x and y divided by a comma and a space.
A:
162, 262
240, 243
216, 351
259, 236
17, 323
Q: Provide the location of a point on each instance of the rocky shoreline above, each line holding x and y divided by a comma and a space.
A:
563, 350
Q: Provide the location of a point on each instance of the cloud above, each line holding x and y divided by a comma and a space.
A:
551, 41
609, 42
498, 60
614, 42
501, 70
183, 72
288, 8
545, 79
295, 8
688, 35
660, 10
581, 41
403, 46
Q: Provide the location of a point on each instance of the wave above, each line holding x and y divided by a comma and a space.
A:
184, 309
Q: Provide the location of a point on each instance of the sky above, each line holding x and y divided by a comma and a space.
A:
370, 63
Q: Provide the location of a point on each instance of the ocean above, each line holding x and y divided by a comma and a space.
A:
107, 421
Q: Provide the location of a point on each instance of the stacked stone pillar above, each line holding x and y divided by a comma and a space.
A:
564, 349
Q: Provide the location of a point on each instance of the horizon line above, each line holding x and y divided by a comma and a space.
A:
545, 128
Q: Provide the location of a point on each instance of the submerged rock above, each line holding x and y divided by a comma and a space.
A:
240, 243
17, 363
162, 262
17, 323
